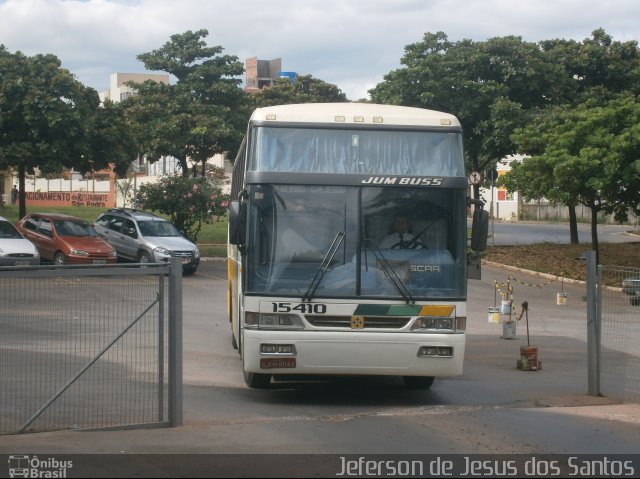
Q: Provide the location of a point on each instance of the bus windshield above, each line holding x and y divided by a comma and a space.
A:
295, 225
357, 151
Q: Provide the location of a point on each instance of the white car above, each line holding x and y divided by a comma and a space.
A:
15, 250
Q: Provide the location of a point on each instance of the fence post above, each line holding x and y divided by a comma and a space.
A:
593, 337
175, 343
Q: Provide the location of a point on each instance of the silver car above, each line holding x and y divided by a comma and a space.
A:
15, 250
146, 238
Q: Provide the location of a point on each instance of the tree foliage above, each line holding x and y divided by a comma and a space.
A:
497, 86
203, 114
187, 201
305, 89
588, 155
490, 86
50, 120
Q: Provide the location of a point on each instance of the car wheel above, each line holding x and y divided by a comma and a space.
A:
418, 382
144, 257
635, 301
189, 270
59, 259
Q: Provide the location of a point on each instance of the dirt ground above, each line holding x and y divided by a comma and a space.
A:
563, 259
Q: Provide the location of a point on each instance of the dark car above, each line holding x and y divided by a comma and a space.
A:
66, 239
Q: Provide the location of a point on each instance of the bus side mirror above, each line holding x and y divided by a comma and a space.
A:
479, 230
237, 212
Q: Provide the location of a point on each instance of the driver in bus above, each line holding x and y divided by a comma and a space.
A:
401, 237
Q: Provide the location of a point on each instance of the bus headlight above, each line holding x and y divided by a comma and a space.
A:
273, 321
427, 323
435, 352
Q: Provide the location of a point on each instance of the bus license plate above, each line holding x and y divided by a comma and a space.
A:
280, 363
99, 261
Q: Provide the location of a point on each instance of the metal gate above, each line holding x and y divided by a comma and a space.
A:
90, 347
619, 315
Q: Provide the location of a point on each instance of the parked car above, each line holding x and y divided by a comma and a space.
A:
66, 239
15, 249
144, 237
631, 286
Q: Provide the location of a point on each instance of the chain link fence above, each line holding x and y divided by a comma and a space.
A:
85, 348
619, 314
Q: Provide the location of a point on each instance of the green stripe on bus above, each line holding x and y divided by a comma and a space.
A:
404, 310
371, 310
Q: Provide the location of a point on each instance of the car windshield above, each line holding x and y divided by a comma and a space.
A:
8, 231
74, 228
157, 228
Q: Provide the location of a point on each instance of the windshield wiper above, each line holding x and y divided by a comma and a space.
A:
393, 277
322, 269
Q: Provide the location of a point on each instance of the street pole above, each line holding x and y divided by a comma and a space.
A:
593, 336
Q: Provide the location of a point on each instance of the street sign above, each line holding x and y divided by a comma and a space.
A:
475, 178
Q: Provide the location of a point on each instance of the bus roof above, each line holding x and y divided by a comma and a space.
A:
354, 113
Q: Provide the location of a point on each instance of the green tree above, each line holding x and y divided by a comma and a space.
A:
51, 121
490, 86
305, 89
188, 202
596, 67
203, 114
497, 86
590, 155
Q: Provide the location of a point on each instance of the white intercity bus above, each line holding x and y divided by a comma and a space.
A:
348, 243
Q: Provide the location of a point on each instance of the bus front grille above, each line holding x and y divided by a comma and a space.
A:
370, 322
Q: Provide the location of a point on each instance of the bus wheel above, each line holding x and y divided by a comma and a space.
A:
418, 382
234, 343
257, 381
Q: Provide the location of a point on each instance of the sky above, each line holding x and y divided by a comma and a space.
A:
350, 43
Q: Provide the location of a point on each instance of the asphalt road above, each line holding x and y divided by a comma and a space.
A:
514, 233
492, 408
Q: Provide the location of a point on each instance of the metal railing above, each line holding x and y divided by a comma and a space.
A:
613, 319
619, 335
90, 347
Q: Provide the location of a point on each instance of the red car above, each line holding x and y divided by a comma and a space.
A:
66, 239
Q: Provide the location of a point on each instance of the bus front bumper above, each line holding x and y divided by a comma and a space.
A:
354, 353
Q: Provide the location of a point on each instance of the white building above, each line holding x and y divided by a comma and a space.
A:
118, 91
501, 203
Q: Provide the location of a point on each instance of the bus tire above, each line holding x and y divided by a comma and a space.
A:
418, 382
234, 343
257, 381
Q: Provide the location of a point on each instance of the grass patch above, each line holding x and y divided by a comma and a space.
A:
563, 259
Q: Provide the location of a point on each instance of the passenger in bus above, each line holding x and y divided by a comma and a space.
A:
402, 235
